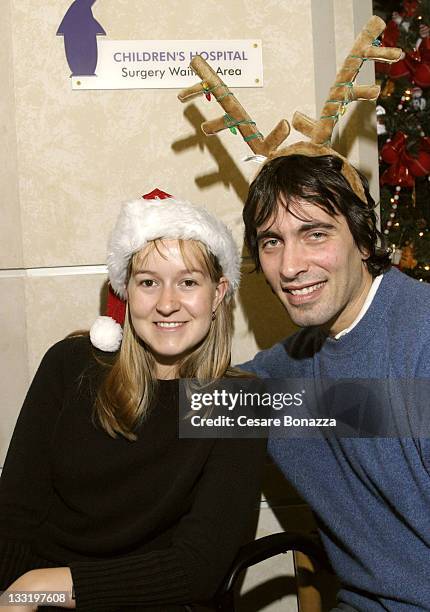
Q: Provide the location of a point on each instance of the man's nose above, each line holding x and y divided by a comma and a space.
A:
294, 262
168, 301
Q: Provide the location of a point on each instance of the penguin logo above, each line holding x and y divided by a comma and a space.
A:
80, 30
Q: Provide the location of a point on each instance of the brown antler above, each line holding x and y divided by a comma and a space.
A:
341, 93
236, 116
344, 91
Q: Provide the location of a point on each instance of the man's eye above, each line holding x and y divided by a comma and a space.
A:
318, 235
269, 243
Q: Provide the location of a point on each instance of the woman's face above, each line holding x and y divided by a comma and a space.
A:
171, 303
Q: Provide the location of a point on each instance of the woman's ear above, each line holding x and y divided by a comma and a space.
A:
220, 291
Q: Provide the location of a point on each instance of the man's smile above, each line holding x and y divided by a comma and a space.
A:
303, 289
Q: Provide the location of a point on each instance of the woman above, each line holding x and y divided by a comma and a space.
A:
99, 498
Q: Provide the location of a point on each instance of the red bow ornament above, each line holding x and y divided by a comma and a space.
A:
393, 152
404, 167
420, 165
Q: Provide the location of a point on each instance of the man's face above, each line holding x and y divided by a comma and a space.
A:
313, 265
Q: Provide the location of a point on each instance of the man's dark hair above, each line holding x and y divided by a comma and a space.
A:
318, 180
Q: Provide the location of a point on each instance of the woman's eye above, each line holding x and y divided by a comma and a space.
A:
189, 282
147, 282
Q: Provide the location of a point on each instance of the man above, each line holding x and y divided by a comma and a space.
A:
316, 242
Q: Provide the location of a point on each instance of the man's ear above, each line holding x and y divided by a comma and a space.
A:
220, 291
365, 254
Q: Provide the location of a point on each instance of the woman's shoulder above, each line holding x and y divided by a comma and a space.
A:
74, 355
70, 347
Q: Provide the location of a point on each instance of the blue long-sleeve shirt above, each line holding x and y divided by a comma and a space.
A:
371, 496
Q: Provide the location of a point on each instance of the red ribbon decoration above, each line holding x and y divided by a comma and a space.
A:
424, 49
389, 39
394, 148
391, 34
420, 165
404, 167
425, 143
409, 8
398, 174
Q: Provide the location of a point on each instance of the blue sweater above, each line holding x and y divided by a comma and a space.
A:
371, 496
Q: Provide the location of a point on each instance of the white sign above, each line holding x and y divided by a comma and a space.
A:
164, 64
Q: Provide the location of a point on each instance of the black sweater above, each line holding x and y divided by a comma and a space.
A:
146, 523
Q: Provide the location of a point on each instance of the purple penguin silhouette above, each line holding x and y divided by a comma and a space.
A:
80, 30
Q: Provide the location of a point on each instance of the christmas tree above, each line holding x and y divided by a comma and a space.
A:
403, 122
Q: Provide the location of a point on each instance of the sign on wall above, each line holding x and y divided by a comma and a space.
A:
146, 64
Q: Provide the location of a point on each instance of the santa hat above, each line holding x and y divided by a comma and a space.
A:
158, 215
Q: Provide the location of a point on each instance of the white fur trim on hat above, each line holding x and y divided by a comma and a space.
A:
106, 334
143, 220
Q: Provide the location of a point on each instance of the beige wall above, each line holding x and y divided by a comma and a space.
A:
68, 158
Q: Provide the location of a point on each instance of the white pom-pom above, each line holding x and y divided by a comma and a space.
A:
106, 334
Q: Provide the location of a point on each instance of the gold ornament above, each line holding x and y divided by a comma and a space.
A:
407, 261
388, 89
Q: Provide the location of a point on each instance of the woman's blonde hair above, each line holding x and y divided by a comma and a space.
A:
129, 388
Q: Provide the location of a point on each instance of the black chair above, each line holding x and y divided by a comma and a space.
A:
262, 549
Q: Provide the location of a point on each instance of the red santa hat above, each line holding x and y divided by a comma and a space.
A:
158, 215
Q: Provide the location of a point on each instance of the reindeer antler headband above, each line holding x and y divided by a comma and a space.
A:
343, 91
